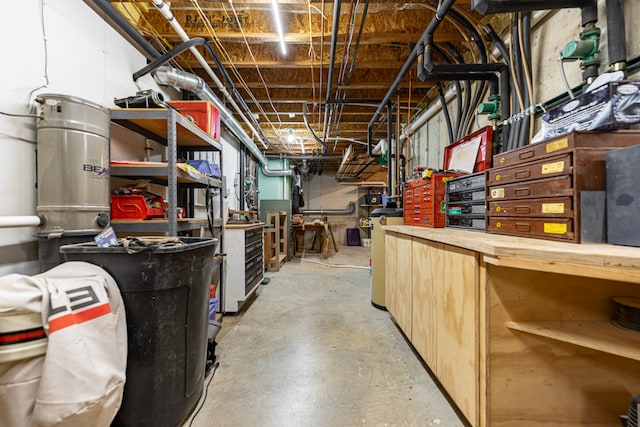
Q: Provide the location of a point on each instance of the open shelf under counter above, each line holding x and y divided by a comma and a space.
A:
153, 123
160, 225
158, 172
600, 335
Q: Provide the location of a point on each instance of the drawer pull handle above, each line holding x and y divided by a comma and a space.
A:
521, 192
526, 154
523, 226
523, 174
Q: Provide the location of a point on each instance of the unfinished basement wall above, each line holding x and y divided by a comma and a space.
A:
324, 192
551, 31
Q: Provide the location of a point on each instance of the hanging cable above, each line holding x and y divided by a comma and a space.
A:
526, 48
564, 77
445, 111
46, 57
467, 95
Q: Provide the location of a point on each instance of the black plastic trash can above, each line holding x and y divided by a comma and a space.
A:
166, 297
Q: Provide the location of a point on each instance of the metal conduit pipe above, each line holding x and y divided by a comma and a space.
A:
433, 24
351, 207
129, 32
163, 8
502, 6
21, 221
183, 80
302, 157
332, 59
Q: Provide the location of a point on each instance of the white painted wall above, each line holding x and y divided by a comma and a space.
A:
84, 57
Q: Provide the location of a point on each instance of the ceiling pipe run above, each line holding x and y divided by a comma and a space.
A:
183, 80
350, 209
433, 24
163, 8
332, 59
302, 157
175, 77
589, 10
502, 6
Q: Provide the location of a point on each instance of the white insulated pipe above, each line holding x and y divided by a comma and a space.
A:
20, 221
163, 8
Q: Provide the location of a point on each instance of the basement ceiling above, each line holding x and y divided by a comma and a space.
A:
373, 41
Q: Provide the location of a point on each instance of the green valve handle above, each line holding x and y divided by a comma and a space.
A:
487, 108
578, 49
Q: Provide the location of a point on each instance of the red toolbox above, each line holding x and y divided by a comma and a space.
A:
424, 200
136, 207
205, 115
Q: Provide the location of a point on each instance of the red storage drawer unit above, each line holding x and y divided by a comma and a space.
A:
424, 200
136, 207
205, 115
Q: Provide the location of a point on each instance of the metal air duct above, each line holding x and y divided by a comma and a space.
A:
351, 207
183, 80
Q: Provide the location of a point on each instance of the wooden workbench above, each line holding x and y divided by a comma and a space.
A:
517, 330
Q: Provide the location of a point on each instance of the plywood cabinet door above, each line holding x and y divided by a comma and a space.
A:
398, 279
390, 271
454, 273
423, 328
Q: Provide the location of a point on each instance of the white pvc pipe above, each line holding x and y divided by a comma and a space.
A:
20, 221
163, 8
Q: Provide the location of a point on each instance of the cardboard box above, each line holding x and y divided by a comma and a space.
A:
615, 105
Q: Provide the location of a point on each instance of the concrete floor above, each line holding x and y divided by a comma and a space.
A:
310, 350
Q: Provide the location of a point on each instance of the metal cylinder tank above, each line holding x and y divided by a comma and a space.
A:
73, 165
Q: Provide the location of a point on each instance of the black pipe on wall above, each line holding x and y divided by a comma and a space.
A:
616, 35
433, 24
502, 6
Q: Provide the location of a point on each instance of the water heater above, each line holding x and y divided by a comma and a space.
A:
73, 165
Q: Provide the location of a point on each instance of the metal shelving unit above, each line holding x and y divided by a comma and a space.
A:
168, 127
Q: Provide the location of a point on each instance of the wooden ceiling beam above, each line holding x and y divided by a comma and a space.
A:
303, 38
354, 86
301, 64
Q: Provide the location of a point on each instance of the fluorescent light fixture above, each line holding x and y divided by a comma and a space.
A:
279, 29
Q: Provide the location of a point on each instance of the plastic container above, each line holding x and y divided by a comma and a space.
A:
366, 243
205, 115
134, 207
353, 237
166, 297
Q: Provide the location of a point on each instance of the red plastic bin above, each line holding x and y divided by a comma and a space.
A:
134, 207
205, 115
